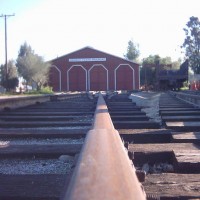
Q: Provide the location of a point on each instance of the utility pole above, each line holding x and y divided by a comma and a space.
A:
6, 59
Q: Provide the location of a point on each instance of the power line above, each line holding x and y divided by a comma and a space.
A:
6, 61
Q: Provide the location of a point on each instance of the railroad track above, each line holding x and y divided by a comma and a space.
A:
39, 145
44, 153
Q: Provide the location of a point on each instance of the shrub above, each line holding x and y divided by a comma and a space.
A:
44, 90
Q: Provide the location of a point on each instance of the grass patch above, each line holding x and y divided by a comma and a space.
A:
44, 90
184, 88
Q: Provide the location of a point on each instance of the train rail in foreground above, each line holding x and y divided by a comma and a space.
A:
99, 173
169, 155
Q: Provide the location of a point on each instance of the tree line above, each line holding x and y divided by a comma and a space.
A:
32, 68
190, 47
28, 65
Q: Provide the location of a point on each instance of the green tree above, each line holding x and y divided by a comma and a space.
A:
25, 49
32, 66
192, 43
132, 51
12, 76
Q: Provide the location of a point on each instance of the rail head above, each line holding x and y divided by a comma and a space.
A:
103, 170
102, 119
189, 98
182, 94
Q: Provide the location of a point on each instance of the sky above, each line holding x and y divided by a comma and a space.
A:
57, 27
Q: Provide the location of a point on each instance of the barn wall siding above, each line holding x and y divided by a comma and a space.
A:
77, 78
90, 69
55, 77
124, 77
98, 78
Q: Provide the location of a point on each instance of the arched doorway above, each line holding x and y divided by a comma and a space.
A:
77, 78
55, 78
124, 77
98, 78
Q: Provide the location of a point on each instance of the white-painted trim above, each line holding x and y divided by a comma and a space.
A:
96, 65
86, 59
139, 77
116, 75
60, 81
68, 83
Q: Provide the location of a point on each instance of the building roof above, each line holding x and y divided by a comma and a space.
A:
88, 47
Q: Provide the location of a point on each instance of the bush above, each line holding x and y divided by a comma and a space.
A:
44, 90
185, 86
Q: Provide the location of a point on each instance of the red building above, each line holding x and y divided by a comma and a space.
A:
89, 69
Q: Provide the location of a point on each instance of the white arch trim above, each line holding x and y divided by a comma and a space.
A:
68, 83
96, 65
59, 71
116, 75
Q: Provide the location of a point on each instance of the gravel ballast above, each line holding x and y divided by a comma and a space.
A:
36, 166
8, 141
150, 103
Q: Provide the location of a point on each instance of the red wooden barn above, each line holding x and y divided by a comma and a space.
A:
89, 69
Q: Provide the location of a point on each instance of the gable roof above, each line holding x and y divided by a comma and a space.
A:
88, 47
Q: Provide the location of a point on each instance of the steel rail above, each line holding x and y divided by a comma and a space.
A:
192, 99
103, 170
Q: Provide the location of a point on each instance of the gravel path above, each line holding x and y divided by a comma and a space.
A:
150, 103
36, 166
40, 141
61, 165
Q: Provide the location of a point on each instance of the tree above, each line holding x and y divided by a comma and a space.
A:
132, 51
32, 66
192, 43
12, 76
25, 49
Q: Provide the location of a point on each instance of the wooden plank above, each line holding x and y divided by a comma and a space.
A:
135, 124
180, 118
178, 109
33, 124
184, 126
187, 161
120, 103
126, 112
123, 109
37, 150
61, 104
175, 106
123, 105
183, 137
37, 118
130, 118
160, 131
173, 186
168, 147
152, 153
57, 109
37, 187
42, 118
44, 133
47, 113
141, 136
177, 113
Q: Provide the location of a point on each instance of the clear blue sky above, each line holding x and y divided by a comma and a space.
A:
57, 27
